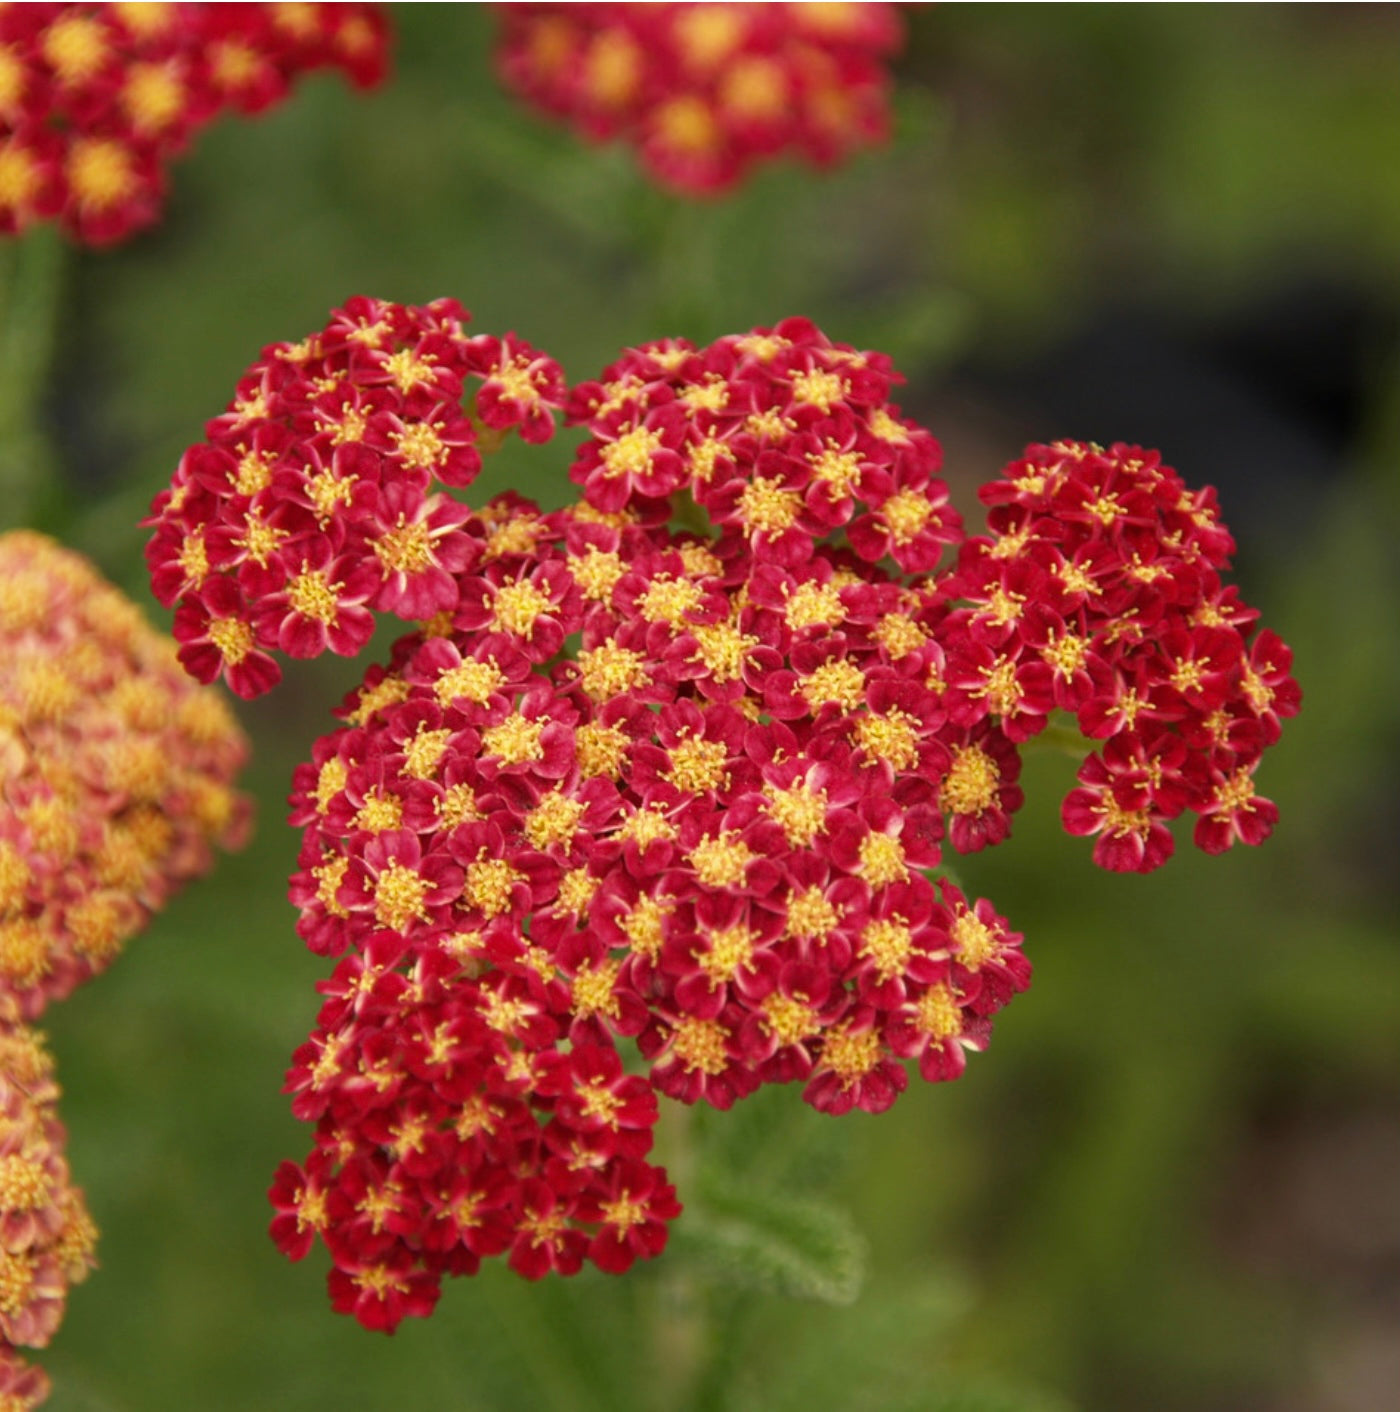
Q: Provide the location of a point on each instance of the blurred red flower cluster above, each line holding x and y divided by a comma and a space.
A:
707, 91
96, 99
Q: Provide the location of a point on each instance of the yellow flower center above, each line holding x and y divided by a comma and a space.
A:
907, 513
518, 607
720, 861
405, 549
600, 750
630, 454
893, 737
838, 681
881, 860
818, 388
515, 740
554, 819
788, 1018
810, 915
724, 650
233, 637
644, 925
729, 952
850, 1054
971, 783
424, 751
813, 605
312, 596
489, 884
596, 572
474, 681
668, 600
697, 765
977, 943
937, 1014
799, 811
766, 506
888, 945
701, 1044
101, 172
399, 894
420, 447
593, 991
610, 670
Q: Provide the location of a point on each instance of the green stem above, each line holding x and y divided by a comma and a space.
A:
31, 280
679, 1328
724, 1313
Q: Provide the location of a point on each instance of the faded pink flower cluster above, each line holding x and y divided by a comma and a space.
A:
118, 780
46, 1234
676, 764
118, 772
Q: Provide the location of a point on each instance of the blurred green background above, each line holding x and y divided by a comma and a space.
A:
1174, 1179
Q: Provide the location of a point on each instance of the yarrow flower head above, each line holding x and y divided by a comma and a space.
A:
316, 498
117, 772
675, 765
705, 92
96, 99
46, 1234
1099, 593
677, 786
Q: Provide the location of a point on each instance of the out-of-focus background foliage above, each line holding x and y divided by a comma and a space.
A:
1173, 1182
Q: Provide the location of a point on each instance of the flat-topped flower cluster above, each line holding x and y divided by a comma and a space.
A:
675, 764
312, 501
706, 92
118, 772
117, 783
46, 1234
96, 99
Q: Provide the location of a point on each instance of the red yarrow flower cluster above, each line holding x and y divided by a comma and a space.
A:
46, 1234
705, 92
1099, 593
96, 99
683, 788
316, 499
117, 770
675, 765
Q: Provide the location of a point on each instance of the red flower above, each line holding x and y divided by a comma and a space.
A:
631, 1212
1144, 643
94, 100
688, 787
311, 502
707, 92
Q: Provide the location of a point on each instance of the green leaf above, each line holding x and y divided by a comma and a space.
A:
887, 1353
780, 1244
959, 1396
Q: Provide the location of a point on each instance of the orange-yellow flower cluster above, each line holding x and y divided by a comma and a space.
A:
115, 772
46, 1234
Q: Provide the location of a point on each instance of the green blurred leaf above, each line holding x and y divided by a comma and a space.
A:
776, 1243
